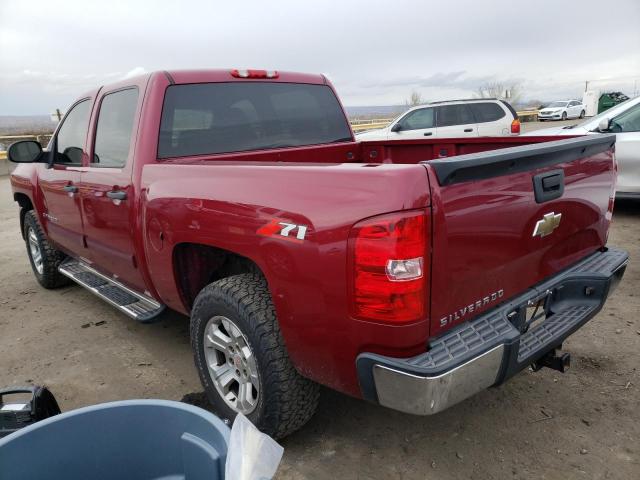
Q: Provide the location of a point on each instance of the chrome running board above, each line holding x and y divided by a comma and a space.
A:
133, 304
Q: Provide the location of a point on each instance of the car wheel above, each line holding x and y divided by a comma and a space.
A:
564, 115
242, 360
582, 114
43, 257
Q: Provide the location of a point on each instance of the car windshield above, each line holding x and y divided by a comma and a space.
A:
556, 105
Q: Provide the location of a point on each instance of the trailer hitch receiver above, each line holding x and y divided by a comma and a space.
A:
555, 359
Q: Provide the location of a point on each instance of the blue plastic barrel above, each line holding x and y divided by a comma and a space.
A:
132, 439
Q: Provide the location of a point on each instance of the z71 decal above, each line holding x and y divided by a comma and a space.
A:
280, 228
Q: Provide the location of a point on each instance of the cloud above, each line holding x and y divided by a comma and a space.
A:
135, 72
376, 51
445, 80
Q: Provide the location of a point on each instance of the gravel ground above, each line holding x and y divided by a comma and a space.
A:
584, 424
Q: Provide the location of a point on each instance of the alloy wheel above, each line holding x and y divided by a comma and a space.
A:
34, 250
232, 364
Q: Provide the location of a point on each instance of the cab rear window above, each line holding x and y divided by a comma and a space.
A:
212, 118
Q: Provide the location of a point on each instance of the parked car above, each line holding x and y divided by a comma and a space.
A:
377, 268
562, 110
624, 121
485, 117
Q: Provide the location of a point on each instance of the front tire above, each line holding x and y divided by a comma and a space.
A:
242, 360
43, 257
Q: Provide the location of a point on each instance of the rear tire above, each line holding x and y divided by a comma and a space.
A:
238, 312
582, 114
564, 116
43, 257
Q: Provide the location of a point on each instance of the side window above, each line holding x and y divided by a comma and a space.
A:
449, 115
72, 134
115, 124
418, 119
628, 121
487, 112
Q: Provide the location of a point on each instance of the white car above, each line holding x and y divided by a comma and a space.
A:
485, 117
562, 110
624, 121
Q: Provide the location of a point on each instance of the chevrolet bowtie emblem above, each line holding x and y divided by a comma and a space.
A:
550, 221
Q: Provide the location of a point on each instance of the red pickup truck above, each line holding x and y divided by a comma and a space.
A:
409, 273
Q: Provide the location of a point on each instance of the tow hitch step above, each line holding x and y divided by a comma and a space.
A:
555, 360
136, 305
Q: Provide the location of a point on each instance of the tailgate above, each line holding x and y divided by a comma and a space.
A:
505, 220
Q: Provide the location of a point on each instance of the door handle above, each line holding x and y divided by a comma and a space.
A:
117, 194
70, 188
428, 134
468, 129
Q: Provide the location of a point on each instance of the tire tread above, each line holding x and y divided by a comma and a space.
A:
291, 399
51, 258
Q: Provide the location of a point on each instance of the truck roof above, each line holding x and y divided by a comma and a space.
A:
224, 75
212, 75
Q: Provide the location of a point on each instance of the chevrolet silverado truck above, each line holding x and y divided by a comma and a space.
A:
409, 273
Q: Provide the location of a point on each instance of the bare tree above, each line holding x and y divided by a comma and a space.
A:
414, 100
511, 91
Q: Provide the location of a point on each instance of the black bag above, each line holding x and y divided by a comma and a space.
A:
18, 414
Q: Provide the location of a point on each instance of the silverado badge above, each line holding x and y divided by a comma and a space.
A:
550, 221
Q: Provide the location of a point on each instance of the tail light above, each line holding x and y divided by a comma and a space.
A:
254, 73
389, 268
515, 125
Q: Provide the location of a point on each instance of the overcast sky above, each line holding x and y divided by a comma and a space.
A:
375, 52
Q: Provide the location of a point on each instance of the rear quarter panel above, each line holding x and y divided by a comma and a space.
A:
225, 204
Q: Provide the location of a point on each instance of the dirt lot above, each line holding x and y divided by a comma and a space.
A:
584, 424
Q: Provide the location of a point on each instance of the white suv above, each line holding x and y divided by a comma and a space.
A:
482, 117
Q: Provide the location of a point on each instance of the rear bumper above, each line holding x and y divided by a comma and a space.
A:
495, 346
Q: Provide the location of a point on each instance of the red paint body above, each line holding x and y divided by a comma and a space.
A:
479, 233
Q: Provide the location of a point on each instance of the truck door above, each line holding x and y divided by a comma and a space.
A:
455, 121
416, 124
60, 184
108, 196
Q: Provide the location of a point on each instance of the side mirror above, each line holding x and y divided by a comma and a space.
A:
25, 151
397, 127
604, 124
72, 154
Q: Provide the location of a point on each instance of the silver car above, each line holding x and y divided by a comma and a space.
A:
624, 121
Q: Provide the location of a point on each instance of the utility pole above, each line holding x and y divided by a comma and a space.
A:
56, 116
